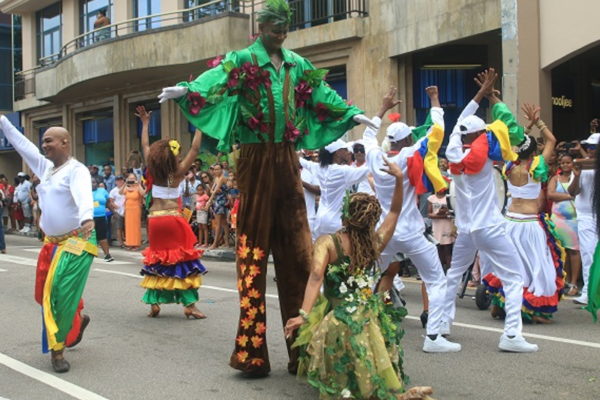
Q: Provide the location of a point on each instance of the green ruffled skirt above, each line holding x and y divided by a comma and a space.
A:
352, 352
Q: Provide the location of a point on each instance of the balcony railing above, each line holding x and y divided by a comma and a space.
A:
307, 13
310, 13
24, 84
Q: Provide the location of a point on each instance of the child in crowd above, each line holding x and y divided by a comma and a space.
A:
234, 201
202, 216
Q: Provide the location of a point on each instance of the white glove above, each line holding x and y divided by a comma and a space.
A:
173, 92
361, 119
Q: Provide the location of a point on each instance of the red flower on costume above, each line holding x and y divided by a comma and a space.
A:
265, 78
250, 70
258, 361
243, 239
251, 313
233, 78
256, 123
214, 63
197, 102
303, 93
249, 281
253, 293
322, 112
291, 132
239, 285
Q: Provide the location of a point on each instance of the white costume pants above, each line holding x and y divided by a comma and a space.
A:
497, 249
311, 226
588, 239
425, 257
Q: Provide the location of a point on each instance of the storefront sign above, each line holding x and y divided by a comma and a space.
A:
562, 102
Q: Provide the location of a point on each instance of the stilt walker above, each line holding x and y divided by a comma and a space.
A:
273, 102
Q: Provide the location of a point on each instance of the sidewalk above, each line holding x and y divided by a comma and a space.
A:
221, 254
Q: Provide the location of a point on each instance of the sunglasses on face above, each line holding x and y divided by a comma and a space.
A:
359, 150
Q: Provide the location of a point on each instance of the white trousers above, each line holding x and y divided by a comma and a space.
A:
425, 257
497, 249
588, 239
311, 226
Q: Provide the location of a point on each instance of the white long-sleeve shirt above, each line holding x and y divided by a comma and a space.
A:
65, 198
410, 223
476, 203
333, 180
585, 198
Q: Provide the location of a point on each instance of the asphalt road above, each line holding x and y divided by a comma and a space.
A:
125, 355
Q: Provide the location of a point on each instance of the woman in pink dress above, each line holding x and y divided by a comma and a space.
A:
437, 209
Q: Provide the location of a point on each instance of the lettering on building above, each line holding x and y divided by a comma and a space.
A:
562, 102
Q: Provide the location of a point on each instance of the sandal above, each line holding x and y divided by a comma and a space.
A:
573, 290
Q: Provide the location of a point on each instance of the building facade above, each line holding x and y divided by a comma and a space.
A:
91, 81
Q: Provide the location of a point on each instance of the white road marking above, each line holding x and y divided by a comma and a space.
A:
96, 260
3, 270
462, 325
6, 259
50, 380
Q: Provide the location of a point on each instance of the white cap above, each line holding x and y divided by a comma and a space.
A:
359, 142
21, 174
398, 131
335, 146
350, 147
472, 124
593, 139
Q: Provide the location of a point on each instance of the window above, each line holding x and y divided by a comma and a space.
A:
211, 9
49, 33
89, 10
99, 140
143, 8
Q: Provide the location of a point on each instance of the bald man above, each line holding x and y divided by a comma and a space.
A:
65, 198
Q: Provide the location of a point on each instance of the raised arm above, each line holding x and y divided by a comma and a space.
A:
30, 153
388, 226
187, 162
144, 116
314, 189
532, 115
324, 249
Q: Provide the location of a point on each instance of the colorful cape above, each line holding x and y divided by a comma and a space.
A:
537, 167
423, 168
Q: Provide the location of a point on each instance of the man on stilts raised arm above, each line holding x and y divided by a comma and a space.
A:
273, 102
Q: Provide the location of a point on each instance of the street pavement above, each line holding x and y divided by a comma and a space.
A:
126, 355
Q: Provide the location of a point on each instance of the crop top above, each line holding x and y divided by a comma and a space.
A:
166, 193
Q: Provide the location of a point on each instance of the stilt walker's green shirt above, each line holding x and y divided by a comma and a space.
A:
244, 99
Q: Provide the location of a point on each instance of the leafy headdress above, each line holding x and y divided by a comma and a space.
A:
276, 11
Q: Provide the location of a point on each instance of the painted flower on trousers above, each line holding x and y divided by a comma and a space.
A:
322, 112
242, 356
258, 253
242, 340
254, 270
243, 239
197, 102
257, 123
303, 93
243, 252
234, 78
214, 63
260, 328
257, 341
291, 132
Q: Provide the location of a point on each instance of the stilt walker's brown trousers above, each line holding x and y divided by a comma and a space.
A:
272, 217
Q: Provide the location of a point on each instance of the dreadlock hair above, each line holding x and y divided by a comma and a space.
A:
525, 153
161, 161
364, 211
596, 193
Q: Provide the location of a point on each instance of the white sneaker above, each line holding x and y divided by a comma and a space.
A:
26, 230
23, 230
440, 345
518, 344
583, 300
444, 328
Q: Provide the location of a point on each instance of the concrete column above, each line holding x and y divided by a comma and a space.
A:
168, 6
28, 27
510, 54
70, 22
123, 10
